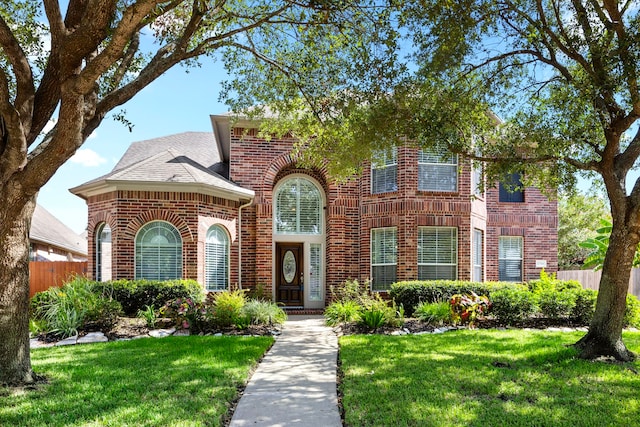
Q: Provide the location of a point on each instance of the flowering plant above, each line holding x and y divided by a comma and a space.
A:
185, 312
466, 308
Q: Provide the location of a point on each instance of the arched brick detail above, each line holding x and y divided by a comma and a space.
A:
98, 219
159, 215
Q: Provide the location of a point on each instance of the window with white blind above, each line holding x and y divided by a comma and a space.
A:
437, 253
315, 272
437, 170
384, 172
510, 258
216, 266
298, 207
158, 252
384, 255
478, 244
103, 252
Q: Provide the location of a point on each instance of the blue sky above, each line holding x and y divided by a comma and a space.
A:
176, 102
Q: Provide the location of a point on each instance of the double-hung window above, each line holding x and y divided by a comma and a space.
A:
384, 256
437, 253
478, 245
437, 170
384, 172
510, 258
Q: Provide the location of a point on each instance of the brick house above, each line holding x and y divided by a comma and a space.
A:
229, 208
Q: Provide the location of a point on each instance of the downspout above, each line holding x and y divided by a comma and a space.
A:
246, 205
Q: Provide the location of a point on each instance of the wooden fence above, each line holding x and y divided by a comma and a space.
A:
45, 274
591, 279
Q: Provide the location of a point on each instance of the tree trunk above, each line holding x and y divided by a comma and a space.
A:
605, 331
15, 360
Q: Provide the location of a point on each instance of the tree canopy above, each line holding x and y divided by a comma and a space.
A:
548, 88
73, 62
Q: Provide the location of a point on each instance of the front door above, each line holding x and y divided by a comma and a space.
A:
289, 274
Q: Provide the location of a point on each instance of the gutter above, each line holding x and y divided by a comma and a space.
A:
246, 205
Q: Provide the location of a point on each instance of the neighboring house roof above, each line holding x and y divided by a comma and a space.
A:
47, 229
189, 161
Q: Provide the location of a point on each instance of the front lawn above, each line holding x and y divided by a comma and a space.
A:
484, 378
174, 381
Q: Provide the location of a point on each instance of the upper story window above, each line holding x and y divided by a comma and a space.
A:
158, 252
384, 172
216, 252
512, 190
384, 258
298, 207
437, 170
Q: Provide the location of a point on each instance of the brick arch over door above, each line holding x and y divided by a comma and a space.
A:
284, 165
159, 215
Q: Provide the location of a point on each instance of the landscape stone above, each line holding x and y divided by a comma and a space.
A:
161, 333
182, 333
92, 337
68, 341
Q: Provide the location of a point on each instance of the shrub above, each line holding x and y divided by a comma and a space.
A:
135, 295
548, 282
585, 305
63, 310
434, 313
466, 308
185, 313
410, 293
262, 312
512, 305
556, 304
227, 306
149, 315
342, 312
351, 290
373, 318
632, 311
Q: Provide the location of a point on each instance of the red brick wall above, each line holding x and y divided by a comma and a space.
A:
192, 214
536, 220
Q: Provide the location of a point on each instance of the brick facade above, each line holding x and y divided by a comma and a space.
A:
349, 212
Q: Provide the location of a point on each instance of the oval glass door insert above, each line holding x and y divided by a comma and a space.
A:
289, 266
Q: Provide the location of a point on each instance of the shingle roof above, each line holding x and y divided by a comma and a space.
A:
185, 158
48, 229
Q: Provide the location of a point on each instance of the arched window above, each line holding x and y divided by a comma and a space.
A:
216, 252
298, 207
158, 252
103, 252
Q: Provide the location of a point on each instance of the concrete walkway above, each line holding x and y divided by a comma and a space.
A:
295, 384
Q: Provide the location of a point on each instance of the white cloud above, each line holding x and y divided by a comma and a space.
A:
88, 158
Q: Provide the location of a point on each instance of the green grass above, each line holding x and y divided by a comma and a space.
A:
174, 381
451, 380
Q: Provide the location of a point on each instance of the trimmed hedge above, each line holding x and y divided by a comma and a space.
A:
134, 295
411, 293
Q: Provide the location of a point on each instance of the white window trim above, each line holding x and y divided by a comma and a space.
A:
455, 256
371, 249
226, 255
276, 206
381, 161
520, 259
135, 245
439, 164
